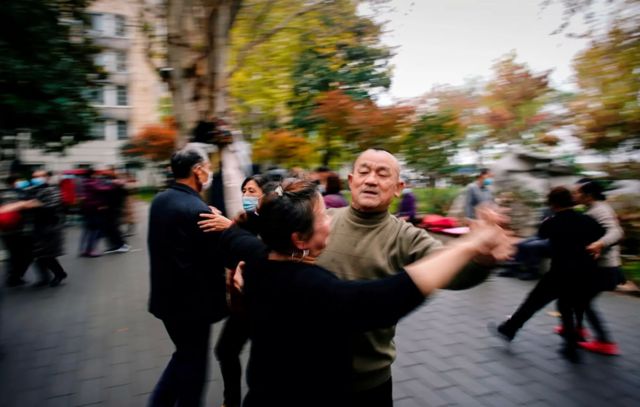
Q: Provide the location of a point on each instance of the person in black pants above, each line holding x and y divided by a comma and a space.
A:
571, 274
187, 279
235, 332
48, 229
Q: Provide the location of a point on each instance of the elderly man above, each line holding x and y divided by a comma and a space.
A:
367, 242
187, 278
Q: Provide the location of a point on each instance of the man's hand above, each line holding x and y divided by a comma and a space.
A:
492, 214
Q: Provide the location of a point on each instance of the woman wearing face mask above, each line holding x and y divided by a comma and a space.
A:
235, 331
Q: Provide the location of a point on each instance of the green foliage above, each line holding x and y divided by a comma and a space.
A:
432, 140
356, 65
606, 111
514, 100
631, 270
45, 69
298, 51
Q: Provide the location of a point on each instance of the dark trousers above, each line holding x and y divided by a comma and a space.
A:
46, 264
380, 396
542, 294
20, 255
594, 319
234, 335
112, 230
91, 232
182, 382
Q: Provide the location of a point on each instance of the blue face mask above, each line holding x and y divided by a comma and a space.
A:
37, 181
488, 181
22, 184
249, 203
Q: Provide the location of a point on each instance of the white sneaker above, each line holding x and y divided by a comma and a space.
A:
123, 249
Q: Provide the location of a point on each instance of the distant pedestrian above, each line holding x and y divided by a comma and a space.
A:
48, 229
187, 278
407, 207
93, 208
333, 197
478, 192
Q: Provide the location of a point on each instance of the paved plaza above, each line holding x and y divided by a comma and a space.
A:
92, 342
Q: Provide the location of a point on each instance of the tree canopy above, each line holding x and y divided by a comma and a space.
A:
46, 70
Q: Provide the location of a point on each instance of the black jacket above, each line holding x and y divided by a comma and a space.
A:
187, 273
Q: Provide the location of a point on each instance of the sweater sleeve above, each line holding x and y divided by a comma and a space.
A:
366, 305
606, 217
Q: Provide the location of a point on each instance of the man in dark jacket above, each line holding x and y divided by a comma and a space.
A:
187, 278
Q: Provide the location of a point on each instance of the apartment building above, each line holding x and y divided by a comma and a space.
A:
126, 101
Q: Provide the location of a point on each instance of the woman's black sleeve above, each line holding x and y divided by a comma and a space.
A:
365, 305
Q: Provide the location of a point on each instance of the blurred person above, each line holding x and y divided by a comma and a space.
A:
333, 197
302, 317
129, 211
319, 176
369, 243
572, 271
17, 229
48, 228
607, 251
478, 193
115, 198
529, 255
407, 206
235, 332
187, 278
93, 209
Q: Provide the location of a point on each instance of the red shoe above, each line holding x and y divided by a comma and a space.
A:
605, 348
582, 332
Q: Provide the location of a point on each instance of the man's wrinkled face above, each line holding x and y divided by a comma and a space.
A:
375, 181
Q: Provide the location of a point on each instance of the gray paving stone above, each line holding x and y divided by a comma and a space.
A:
92, 342
89, 392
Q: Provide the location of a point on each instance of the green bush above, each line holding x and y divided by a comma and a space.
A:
631, 270
147, 193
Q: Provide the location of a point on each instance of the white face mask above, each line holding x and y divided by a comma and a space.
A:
207, 183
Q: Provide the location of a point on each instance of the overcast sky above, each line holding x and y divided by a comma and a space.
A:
448, 41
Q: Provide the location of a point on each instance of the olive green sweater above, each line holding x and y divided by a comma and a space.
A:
365, 246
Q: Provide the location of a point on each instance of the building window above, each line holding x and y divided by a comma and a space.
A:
121, 29
123, 133
122, 95
97, 23
96, 95
98, 130
121, 61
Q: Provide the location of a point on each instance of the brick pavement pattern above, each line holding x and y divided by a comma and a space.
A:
91, 342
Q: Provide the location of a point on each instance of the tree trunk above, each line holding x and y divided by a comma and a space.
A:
197, 48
